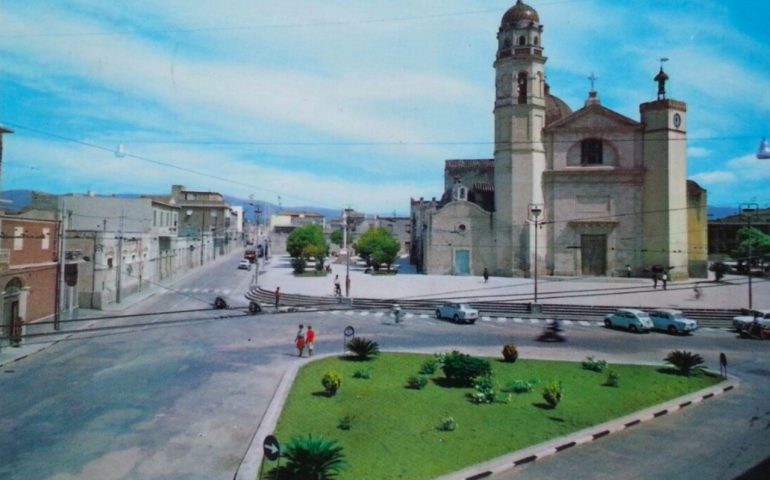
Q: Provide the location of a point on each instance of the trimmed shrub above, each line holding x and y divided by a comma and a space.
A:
520, 386
685, 362
363, 348
417, 382
363, 374
345, 422
312, 458
552, 394
594, 365
429, 367
447, 424
463, 369
510, 354
331, 382
613, 379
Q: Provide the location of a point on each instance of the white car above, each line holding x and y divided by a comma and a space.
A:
630, 318
743, 322
245, 264
458, 312
672, 321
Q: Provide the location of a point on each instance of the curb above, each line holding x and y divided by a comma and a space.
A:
551, 447
252, 460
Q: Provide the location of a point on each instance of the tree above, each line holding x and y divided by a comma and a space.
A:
378, 246
752, 245
336, 237
308, 241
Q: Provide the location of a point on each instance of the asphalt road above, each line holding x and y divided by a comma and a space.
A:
183, 400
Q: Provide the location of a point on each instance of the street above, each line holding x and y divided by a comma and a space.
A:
183, 400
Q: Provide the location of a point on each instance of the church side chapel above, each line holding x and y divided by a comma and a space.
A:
588, 192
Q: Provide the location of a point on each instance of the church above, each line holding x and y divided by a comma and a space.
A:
589, 192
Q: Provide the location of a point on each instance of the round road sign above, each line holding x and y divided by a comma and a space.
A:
271, 448
349, 331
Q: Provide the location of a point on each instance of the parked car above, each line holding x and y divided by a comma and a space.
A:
250, 255
743, 322
244, 264
630, 318
672, 321
458, 312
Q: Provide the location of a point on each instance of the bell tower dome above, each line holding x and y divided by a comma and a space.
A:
520, 116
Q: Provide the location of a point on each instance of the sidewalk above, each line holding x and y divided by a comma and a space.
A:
732, 293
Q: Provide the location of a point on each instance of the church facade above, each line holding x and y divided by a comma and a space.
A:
586, 192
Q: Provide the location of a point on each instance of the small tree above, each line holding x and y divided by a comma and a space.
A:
331, 382
510, 353
378, 246
685, 362
552, 394
308, 241
313, 458
464, 369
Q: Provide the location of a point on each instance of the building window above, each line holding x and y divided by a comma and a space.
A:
46, 243
522, 40
536, 40
18, 238
591, 152
521, 86
154, 218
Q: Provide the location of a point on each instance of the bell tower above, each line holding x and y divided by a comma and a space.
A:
520, 107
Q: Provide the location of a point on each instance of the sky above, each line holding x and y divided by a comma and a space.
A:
356, 104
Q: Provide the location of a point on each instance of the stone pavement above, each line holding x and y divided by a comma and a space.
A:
732, 293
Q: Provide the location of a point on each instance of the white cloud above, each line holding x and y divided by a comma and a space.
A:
713, 178
698, 152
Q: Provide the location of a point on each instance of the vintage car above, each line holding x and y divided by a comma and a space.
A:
672, 321
743, 322
244, 264
458, 312
630, 318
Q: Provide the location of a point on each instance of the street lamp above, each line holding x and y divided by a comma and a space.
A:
749, 209
535, 209
348, 219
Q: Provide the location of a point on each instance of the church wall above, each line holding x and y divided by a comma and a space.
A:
459, 225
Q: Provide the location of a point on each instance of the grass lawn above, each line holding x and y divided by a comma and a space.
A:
394, 431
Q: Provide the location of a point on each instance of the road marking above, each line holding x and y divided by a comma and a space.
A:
226, 291
534, 320
409, 315
567, 322
194, 290
350, 312
424, 315
501, 319
486, 319
518, 320
379, 314
364, 313
584, 323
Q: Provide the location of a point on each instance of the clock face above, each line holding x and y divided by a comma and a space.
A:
677, 120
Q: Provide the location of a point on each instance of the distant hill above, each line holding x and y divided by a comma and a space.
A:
717, 212
18, 199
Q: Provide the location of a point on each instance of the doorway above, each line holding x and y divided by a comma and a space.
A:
593, 254
462, 262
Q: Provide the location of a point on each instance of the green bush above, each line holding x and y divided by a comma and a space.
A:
429, 367
520, 386
363, 348
510, 354
345, 422
685, 362
594, 365
312, 458
331, 382
417, 382
447, 424
463, 369
613, 379
552, 394
484, 390
363, 374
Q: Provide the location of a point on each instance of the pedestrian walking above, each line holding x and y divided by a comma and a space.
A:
654, 280
628, 271
486, 275
664, 278
310, 340
299, 340
337, 288
277, 297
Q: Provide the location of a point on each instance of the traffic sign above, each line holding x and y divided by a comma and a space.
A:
271, 448
349, 331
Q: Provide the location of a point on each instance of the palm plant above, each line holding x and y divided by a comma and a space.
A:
685, 362
363, 348
313, 458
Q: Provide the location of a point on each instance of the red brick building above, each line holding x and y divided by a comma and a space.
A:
28, 272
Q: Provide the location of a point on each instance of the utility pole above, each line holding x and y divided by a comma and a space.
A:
119, 269
60, 265
749, 209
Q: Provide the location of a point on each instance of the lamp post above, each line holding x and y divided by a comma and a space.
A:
535, 209
749, 209
348, 219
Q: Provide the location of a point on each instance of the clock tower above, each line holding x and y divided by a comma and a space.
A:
520, 110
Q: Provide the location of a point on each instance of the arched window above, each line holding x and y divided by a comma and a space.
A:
536, 42
522, 40
521, 85
591, 152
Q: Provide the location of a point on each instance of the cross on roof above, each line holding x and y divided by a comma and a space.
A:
593, 78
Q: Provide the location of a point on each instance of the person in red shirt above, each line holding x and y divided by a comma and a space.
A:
310, 340
299, 340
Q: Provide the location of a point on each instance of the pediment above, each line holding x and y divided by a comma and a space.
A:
593, 117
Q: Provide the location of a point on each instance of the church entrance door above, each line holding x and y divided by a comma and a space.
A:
593, 254
462, 262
